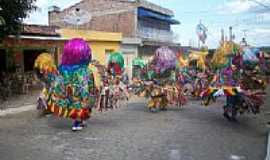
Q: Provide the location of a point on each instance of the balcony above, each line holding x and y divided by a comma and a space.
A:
155, 34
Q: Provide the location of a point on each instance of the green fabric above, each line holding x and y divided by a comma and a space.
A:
117, 58
150, 74
138, 62
79, 82
173, 76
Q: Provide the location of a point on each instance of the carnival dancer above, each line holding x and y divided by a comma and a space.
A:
243, 86
162, 80
46, 71
231, 100
71, 91
116, 64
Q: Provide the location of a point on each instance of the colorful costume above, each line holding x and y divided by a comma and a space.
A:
241, 82
72, 90
111, 90
46, 71
116, 64
159, 81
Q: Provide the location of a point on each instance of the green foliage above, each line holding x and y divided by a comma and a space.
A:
2, 21
12, 13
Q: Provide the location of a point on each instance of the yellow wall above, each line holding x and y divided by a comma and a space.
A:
99, 41
91, 35
99, 50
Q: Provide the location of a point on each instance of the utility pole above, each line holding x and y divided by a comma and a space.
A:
230, 34
222, 36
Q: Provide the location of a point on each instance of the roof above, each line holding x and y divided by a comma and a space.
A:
139, 3
46, 38
154, 7
142, 12
40, 30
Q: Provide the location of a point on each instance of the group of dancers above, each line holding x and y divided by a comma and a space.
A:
79, 85
240, 74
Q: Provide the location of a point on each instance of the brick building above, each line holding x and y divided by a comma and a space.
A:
144, 25
20, 52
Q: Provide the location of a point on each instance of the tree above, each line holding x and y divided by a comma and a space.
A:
12, 13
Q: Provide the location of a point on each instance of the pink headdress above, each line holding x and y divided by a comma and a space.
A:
76, 51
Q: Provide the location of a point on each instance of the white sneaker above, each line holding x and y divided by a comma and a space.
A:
74, 128
83, 124
77, 128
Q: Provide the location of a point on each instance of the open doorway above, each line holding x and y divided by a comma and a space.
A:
29, 57
3, 60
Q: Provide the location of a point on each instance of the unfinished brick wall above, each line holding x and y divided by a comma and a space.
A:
107, 15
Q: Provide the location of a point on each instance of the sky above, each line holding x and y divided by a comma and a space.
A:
249, 18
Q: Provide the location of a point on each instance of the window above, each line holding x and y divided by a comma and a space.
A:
108, 51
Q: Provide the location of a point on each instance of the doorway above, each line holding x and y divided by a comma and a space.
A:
3, 60
29, 57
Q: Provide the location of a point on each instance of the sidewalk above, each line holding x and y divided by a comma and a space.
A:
266, 119
19, 102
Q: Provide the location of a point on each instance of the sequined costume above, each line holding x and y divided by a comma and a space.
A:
71, 92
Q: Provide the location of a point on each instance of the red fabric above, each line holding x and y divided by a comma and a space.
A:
117, 69
85, 114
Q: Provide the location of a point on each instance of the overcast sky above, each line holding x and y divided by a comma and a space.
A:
248, 17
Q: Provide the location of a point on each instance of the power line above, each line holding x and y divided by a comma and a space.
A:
260, 3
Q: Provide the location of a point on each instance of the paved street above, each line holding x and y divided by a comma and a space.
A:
132, 133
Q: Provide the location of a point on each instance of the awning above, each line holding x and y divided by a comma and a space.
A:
41, 38
150, 14
157, 43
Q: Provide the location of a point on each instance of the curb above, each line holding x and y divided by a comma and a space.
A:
268, 148
12, 111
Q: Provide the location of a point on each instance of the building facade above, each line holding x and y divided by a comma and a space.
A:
102, 43
144, 25
21, 52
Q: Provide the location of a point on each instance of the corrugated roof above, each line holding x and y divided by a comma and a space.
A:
154, 7
40, 30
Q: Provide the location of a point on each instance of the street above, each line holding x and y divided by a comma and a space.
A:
132, 133
66, 56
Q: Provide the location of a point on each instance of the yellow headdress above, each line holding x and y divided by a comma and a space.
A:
45, 63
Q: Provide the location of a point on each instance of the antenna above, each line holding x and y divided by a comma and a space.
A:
77, 17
